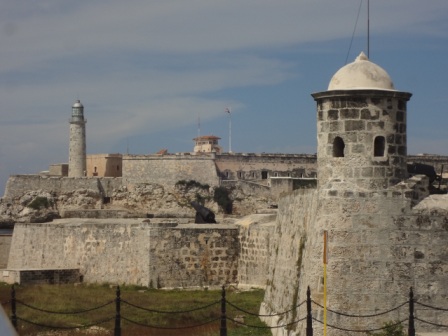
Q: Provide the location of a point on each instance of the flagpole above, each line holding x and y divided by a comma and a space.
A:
199, 125
325, 260
229, 112
368, 29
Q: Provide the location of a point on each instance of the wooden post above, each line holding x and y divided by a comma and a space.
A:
13, 307
223, 329
309, 318
117, 329
411, 328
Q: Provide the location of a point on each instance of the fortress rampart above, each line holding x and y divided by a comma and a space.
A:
158, 254
168, 169
256, 166
210, 169
255, 235
379, 247
18, 185
5, 245
130, 251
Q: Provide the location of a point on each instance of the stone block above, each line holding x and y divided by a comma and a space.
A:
333, 114
379, 172
357, 148
369, 114
320, 115
367, 172
354, 125
335, 126
375, 126
350, 113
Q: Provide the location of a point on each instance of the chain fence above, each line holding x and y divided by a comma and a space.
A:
222, 316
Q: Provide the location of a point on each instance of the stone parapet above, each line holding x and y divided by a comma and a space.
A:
132, 251
169, 169
255, 234
18, 185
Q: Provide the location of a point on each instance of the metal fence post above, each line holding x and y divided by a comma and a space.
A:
13, 307
411, 328
223, 329
117, 329
309, 318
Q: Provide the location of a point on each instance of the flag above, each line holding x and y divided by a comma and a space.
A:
227, 110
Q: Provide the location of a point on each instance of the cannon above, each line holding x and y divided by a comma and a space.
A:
423, 169
203, 214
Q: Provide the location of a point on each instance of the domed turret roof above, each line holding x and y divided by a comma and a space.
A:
77, 104
361, 74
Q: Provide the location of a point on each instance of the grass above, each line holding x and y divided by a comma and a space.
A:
68, 298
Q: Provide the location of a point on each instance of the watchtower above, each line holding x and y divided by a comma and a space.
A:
207, 144
77, 146
361, 129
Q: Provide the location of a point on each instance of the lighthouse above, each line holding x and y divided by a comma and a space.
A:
77, 147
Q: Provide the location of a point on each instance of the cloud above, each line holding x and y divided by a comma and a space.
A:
147, 66
55, 31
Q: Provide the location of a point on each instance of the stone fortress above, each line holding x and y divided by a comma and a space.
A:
125, 218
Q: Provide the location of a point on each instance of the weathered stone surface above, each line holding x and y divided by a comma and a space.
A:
378, 248
137, 252
255, 235
5, 245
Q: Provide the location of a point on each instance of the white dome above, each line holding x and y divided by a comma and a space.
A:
77, 104
361, 74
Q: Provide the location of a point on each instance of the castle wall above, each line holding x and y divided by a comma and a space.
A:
251, 165
193, 255
168, 169
250, 188
378, 247
295, 218
255, 234
130, 251
101, 165
5, 245
83, 244
58, 169
17, 185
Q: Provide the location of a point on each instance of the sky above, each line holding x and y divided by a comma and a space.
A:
147, 70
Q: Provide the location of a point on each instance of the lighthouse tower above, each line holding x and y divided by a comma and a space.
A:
361, 123
77, 147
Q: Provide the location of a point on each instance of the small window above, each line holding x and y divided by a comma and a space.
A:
264, 175
338, 147
118, 168
379, 146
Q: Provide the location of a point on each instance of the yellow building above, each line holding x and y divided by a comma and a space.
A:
104, 165
207, 144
